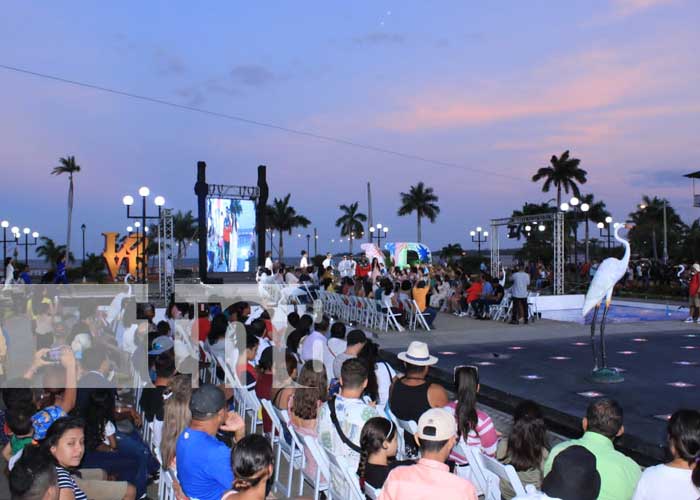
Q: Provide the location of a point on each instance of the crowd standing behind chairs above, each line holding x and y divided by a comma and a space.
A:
342, 419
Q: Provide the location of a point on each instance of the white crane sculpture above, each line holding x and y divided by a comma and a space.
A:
610, 271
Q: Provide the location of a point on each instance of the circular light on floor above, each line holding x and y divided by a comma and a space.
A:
689, 347
685, 363
559, 358
532, 376
627, 353
516, 348
640, 340
485, 363
681, 385
447, 353
590, 394
579, 344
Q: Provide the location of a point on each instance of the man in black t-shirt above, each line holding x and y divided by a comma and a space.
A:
152, 398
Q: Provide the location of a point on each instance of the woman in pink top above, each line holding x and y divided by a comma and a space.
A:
475, 427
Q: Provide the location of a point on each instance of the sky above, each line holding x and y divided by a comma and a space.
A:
485, 92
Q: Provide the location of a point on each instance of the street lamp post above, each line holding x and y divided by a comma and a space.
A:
128, 201
604, 225
379, 233
575, 206
477, 238
5, 224
26, 231
83, 227
315, 242
308, 244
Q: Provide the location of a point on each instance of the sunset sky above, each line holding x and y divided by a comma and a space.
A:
485, 91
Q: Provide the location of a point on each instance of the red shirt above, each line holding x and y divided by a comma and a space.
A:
362, 271
694, 284
203, 327
474, 292
263, 390
227, 232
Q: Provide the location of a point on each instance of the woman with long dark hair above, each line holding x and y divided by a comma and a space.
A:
64, 445
680, 478
475, 427
379, 442
101, 447
526, 447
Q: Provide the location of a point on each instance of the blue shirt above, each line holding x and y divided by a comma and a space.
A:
203, 465
487, 289
24, 276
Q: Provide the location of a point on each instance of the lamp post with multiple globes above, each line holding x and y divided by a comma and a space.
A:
379, 233
128, 201
575, 206
478, 239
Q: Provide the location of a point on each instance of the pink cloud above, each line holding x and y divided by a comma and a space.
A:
586, 82
628, 7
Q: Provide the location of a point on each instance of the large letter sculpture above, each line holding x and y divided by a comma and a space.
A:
129, 251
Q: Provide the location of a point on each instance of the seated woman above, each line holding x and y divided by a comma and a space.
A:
379, 442
475, 427
311, 393
526, 448
176, 417
251, 461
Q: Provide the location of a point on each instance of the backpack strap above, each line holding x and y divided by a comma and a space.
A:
341, 434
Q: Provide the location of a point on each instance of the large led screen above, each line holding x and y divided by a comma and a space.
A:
230, 235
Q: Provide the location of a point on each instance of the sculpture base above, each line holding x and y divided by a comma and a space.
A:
606, 376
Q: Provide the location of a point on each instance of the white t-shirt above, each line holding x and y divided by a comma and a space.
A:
662, 481
385, 375
268, 263
333, 347
327, 262
304, 262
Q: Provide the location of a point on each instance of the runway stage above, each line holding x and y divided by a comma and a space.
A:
661, 370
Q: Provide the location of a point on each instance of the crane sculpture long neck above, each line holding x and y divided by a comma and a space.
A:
626, 244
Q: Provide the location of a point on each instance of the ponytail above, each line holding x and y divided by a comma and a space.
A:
364, 457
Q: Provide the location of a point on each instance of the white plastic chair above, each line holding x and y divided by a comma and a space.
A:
166, 488
293, 451
504, 472
419, 316
322, 466
485, 481
344, 483
372, 492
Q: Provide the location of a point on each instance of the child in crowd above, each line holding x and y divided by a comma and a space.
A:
252, 464
379, 442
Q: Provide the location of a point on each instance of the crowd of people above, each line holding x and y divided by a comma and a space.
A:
69, 433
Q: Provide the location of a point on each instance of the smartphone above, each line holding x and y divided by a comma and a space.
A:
54, 354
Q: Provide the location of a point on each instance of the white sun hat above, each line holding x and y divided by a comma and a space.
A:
418, 354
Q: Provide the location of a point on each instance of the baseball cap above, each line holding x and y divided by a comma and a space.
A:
356, 337
436, 424
160, 344
206, 401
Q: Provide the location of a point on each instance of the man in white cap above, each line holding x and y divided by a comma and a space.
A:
430, 478
694, 294
412, 394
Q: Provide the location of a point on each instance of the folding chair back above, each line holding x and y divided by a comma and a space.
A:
504, 472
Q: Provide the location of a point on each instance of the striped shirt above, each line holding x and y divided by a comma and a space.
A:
484, 437
66, 481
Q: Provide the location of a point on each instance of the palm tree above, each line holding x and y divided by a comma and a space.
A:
350, 223
646, 236
421, 200
564, 172
282, 217
68, 166
184, 231
450, 251
50, 251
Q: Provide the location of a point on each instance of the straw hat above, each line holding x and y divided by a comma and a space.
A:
418, 354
